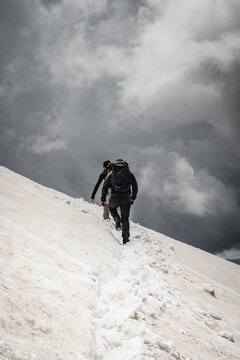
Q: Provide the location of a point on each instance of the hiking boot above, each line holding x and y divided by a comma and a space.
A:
125, 241
118, 225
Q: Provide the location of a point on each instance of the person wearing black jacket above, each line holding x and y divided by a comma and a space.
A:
101, 177
124, 200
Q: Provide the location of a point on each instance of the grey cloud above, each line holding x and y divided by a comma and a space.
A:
76, 91
115, 24
50, 2
232, 253
226, 20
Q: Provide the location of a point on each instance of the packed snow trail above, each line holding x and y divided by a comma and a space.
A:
126, 299
138, 308
70, 291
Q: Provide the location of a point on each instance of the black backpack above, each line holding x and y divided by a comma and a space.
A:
120, 176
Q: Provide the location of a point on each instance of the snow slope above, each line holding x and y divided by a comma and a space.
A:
69, 290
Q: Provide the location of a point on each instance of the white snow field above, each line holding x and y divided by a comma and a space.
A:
69, 290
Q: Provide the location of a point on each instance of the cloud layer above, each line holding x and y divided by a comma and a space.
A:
154, 82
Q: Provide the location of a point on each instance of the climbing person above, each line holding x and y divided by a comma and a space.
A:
124, 190
102, 176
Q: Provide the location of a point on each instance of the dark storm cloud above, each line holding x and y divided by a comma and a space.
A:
231, 95
228, 80
86, 81
13, 17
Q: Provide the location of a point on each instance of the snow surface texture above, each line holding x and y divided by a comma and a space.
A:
70, 290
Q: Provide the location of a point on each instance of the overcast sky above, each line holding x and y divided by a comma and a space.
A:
155, 82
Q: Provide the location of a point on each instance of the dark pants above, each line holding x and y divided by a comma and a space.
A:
124, 202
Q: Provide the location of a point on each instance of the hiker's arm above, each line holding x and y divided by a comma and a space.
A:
100, 179
105, 187
134, 187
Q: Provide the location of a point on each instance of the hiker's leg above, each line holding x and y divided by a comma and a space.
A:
106, 212
125, 212
113, 204
106, 209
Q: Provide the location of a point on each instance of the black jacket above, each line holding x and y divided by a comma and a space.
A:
101, 177
108, 184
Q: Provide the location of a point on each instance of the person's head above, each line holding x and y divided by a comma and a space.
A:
105, 163
119, 160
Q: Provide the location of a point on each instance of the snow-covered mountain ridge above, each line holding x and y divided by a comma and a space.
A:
69, 290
